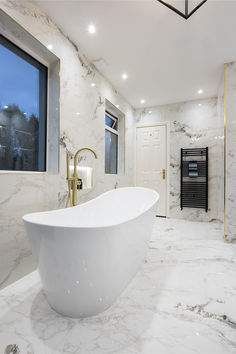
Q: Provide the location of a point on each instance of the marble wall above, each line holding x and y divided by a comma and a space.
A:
192, 124
81, 124
230, 77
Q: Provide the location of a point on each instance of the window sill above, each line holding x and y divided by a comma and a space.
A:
2, 172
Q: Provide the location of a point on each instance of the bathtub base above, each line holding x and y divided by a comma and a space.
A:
85, 268
76, 307
78, 313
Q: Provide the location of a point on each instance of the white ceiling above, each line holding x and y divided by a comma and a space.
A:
167, 58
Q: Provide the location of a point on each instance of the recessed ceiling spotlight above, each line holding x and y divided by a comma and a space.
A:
77, 113
117, 106
149, 112
199, 104
200, 91
91, 29
93, 84
142, 101
124, 76
50, 46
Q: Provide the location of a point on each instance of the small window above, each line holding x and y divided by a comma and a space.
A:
23, 110
111, 144
111, 121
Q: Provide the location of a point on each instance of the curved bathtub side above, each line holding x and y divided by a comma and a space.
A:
84, 270
35, 234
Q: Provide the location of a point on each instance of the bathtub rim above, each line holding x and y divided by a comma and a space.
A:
25, 217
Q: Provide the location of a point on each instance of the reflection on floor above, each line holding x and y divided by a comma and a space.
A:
182, 301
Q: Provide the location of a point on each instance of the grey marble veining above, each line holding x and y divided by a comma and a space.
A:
82, 109
181, 301
192, 124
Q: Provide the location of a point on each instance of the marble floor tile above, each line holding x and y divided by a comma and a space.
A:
182, 301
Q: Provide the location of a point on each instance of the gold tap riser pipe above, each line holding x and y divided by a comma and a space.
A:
69, 194
74, 198
68, 179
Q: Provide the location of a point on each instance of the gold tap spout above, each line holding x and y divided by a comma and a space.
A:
79, 151
74, 179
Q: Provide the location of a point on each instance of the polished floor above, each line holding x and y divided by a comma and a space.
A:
182, 301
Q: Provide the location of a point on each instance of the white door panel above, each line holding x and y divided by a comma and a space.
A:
151, 161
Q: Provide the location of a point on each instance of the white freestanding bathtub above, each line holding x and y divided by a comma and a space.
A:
86, 255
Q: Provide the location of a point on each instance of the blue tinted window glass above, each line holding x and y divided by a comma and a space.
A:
23, 107
111, 151
108, 121
111, 122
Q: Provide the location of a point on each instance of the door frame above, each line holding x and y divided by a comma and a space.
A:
154, 124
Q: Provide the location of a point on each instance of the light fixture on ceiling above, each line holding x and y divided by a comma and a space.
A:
124, 76
200, 91
142, 101
93, 84
91, 29
50, 46
186, 14
117, 106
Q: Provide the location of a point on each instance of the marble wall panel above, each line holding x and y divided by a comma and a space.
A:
230, 72
82, 124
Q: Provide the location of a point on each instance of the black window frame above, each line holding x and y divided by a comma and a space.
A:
43, 97
113, 130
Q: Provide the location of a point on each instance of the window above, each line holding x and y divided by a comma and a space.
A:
111, 144
23, 110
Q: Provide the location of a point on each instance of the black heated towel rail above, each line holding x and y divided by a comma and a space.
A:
194, 178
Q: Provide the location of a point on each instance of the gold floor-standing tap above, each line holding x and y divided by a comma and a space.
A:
68, 180
73, 181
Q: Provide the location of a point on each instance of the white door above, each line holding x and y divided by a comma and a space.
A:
151, 162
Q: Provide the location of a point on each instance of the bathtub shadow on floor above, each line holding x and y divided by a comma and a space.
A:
116, 330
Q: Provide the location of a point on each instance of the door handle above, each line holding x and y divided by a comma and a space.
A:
163, 174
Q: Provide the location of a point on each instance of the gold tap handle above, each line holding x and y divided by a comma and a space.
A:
163, 174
